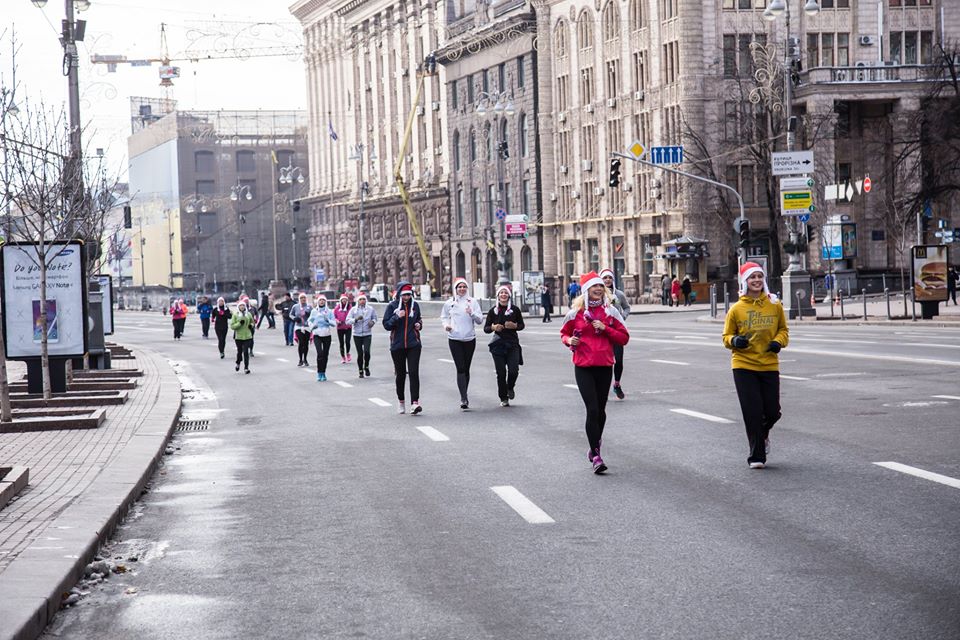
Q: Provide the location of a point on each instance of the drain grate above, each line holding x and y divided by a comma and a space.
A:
193, 425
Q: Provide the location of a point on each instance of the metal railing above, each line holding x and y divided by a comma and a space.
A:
869, 73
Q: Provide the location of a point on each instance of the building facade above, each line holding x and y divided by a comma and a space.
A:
210, 211
365, 60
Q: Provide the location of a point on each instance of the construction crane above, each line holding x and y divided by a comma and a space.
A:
429, 69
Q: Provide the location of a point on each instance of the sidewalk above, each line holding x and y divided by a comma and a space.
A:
81, 483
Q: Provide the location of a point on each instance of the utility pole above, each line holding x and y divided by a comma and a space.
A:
502, 154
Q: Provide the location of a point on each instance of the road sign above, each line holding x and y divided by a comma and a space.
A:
320, 275
666, 155
517, 218
795, 183
791, 163
637, 149
867, 184
796, 202
805, 218
501, 213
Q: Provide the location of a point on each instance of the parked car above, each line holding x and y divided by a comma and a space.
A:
380, 293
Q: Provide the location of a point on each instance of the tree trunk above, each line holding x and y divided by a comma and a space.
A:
44, 350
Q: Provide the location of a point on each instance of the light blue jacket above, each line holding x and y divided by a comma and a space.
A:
362, 319
322, 321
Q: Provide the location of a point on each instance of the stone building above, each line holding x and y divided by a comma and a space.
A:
364, 59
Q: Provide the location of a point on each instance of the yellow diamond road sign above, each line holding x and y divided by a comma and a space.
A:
637, 149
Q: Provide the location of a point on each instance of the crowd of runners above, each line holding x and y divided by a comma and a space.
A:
594, 330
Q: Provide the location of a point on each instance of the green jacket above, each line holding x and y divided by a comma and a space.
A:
242, 325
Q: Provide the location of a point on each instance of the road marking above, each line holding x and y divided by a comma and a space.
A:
802, 338
572, 386
433, 434
929, 344
947, 397
702, 416
849, 374
341, 383
920, 473
785, 377
379, 402
682, 364
282, 360
691, 335
522, 505
447, 360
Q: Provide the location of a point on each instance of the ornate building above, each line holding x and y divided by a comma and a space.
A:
363, 62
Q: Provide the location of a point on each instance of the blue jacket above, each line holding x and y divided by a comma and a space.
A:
205, 309
404, 332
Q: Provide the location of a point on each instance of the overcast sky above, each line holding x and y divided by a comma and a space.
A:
132, 28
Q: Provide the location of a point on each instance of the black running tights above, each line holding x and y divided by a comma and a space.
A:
462, 353
594, 386
404, 361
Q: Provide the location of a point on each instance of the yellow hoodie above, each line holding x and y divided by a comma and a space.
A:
762, 321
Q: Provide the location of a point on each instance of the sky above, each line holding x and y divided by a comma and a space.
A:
132, 28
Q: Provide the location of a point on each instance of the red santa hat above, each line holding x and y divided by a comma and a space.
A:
407, 288
746, 270
605, 273
590, 279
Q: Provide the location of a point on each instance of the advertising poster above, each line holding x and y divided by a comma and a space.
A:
532, 281
929, 273
848, 240
106, 288
66, 309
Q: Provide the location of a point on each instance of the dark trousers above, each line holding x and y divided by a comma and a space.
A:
205, 326
759, 395
343, 336
462, 353
363, 351
404, 361
617, 362
221, 339
686, 299
178, 324
508, 370
243, 352
303, 344
322, 344
288, 330
594, 386
270, 320
546, 313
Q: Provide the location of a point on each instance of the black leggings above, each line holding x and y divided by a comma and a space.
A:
508, 370
243, 352
178, 325
221, 338
407, 360
594, 386
322, 344
617, 362
759, 395
462, 352
343, 335
303, 344
205, 326
363, 351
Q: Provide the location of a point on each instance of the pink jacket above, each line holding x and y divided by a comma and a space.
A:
340, 313
595, 349
178, 311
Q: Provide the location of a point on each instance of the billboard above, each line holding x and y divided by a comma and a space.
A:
106, 288
928, 273
532, 281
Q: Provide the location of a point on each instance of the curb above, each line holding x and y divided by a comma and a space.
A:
32, 587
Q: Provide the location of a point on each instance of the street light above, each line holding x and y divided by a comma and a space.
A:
197, 205
502, 106
239, 192
357, 154
289, 175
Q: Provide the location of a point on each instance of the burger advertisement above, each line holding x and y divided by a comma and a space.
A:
929, 273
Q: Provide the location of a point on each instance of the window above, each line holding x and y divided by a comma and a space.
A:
613, 78
520, 72
470, 89
456, 151
834, 4
206, 187
745, 4
453, 94
731, 121
668, 9
246, 162
585, 30
505, 134
593, 254
636, 14
843, 49
502, 77
671, 62
743, 179
586, 85
486, 80
473, 146
477, 208
524, 143
878, 235
526, 197
828, 50
491, 203
569, 261
208, 222
910, 3
563, 92
203, 161
560, 39
588, 141
285, 158
639, 72
729, 56
488, 142
459, 208
611, 21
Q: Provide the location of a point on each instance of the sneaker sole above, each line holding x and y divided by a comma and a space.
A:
757, 465
600, 469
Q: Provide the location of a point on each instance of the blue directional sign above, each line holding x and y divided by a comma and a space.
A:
501, 213
667, 155
805, 217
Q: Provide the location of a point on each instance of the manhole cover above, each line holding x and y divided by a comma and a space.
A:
193, 425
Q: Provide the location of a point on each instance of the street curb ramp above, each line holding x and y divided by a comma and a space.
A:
31, 588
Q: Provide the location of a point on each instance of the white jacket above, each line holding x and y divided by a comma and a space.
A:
461, 314
322, 321
362, 319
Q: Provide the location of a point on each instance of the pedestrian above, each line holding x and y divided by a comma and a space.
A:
178, 312
403, 320
675, 293
322, 321
952, 278
284, 307
685, 288
344, 328
546, 301
204, 309
665, 290
221, 324
621, 305
573, 289
755, 331
459, 316
266, 312
252, 310
300, 315
591, 329
362, 318
242, 325
504, 321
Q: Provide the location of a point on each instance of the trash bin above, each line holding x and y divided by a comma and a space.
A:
143, 304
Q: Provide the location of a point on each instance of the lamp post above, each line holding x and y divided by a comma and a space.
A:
796, 281
289, 175
198, 205
357, 154
240, 192
498, 105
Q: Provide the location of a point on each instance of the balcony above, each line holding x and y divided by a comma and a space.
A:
872, 73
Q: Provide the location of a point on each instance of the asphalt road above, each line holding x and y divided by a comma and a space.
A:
308, 511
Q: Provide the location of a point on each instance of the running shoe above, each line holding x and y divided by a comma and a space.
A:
343, 360
618, 392
598, 465
510, 394
361, 374
757, 465
415, 408
349, 359
366, 371
246, 370
401, 408
323, 377
222, 356
319, 377
237, 368
464, 405
505, 403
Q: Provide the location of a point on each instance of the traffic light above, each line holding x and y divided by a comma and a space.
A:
744, 230
127, 217
614, 173
296, 205
811, 234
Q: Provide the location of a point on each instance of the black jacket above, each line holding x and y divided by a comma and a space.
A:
221, 319
284, 307
404, 332
507, 339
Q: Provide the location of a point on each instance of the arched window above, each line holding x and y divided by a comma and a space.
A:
487, 138
456, 151
461, 267
560, 39
636, 15
526, 258
473, 145
585, 29
510, 265
524, 145
611, 21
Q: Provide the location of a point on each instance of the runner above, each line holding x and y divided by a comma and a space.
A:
362, 318
403, 320
322, 321
242, 325
591, 328
252, 308
300, 315
204, 309
621, 304
756, 330
505, 321
344, 328
284, 307
221, 324
459, 317
178, 311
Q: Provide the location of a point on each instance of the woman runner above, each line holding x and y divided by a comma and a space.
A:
344, 328
403, 320
178, 311
300, 315
591, 329
362, 318
621, 304
242, 325
322, 321
221, 324
504, 320
755, 331
459, 317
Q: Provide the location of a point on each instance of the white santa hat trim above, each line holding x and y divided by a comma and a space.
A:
746, 270
605, 273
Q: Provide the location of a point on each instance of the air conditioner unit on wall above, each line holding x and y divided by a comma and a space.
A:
638, 95
561, 117
586, 165
435, 106
588, 108
611, 102
598, 191
553, 197
868, 41
419, 111
575, 194
563, 169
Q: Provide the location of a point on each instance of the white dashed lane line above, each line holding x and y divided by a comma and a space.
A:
282, 360
702, 416
786, 377
681, 364
379, 402
433, 434
920, 473
341, 383
947, 397
522, 505
447, 360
